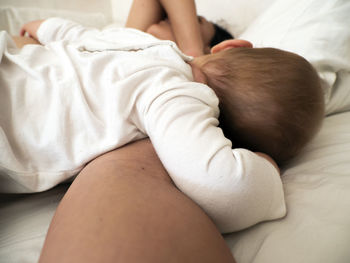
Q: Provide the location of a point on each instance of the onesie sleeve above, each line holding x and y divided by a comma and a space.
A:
235, 187
55, 29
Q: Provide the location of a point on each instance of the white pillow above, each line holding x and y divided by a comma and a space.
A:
78, 6
12, 18
236, 15
318, 30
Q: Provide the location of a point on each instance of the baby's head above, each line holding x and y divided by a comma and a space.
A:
271, 100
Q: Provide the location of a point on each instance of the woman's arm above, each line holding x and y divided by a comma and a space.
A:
144, 13
123, 207
184, 22
183, 26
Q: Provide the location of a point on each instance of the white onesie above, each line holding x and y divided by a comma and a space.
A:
86, 92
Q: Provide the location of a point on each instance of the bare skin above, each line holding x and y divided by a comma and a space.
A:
123, 207
182, 15
22, 41
164, 30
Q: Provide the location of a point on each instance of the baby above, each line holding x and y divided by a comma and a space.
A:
86, 92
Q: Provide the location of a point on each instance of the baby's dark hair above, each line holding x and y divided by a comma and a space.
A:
220, 35
271, 100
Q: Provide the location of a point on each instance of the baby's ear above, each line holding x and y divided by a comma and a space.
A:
231, 43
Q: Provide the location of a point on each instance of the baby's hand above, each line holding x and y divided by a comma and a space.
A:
268, 158
31, 29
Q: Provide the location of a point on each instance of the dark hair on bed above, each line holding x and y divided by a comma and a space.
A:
220, 35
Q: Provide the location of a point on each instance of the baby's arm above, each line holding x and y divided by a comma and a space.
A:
236, 187
55, 29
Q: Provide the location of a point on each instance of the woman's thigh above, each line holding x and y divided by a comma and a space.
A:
123, 207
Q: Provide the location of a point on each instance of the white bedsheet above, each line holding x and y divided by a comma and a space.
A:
317, 226
24, 220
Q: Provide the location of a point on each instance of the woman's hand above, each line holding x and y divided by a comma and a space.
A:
31, 29
162, 30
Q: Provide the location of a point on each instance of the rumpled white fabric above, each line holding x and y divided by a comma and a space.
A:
87, 92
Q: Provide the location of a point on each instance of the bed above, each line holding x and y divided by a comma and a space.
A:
316, 228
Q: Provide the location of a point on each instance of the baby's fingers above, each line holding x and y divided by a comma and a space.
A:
22, 32
25, 29
31, 28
